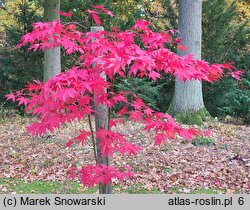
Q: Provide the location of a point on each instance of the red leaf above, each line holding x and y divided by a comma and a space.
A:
112, 123
122, 111
11, 96
82, 137
95, 174
160, 139
69, 143
141, 25
128, 148
34, 87
154, 75
149, 112
207, 132
178, 40
236, 74
104, 10
94, 16
138, 103
65, 14
22, 100
189, 134
182, 47
135, 116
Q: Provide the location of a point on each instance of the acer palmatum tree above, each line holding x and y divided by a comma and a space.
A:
52, 56
101, 122
72, 95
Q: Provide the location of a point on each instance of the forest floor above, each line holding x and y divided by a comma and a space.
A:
218, 164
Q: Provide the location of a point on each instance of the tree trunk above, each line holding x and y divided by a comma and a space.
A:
101, 121
188, 98
52, 57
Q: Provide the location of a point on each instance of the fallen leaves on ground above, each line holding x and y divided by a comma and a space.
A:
177, 165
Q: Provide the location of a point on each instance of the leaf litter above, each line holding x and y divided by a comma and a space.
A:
224, 166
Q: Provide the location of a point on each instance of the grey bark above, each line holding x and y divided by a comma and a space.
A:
52, 57
101, 121
188, 96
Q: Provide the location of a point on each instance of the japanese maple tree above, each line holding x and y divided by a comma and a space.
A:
72, 95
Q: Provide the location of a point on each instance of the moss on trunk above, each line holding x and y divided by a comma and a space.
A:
190, 118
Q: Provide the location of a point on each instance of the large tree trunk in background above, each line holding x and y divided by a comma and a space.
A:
102, 121
52, 57
188, 100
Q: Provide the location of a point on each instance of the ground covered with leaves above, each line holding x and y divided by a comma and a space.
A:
219, 163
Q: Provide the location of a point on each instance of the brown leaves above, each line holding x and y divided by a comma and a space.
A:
191, 167
37, 158
184, 167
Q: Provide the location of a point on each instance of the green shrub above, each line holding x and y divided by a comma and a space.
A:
145, 89
225, 39
203, 141
18, 66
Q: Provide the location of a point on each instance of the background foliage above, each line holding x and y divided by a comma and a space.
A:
225, 39
17, 66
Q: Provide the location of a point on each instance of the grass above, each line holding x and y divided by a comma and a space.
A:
69, 187
203, 141
136, 189
43, 187
19, 186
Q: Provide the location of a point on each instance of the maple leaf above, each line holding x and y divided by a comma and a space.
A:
72, 172
138, 103
94, 16
71, 27
119, 98
154, 75
236, 74
114, 64
104, 10
182, 47
166, 37
148, 111
34, 87
82, 137
141, 25
160, 138
135, 115
65, 14
113, 123
22, 100
207, 133
128, 148
11, 96
122, 111
189, 134
95, 174
69, 143
178, 40
106, 141
66, 94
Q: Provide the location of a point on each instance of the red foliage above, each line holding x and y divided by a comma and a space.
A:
95, 174
65, 14
70, 95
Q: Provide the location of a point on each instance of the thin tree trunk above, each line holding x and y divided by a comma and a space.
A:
188, 96
52, 57
101, 121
